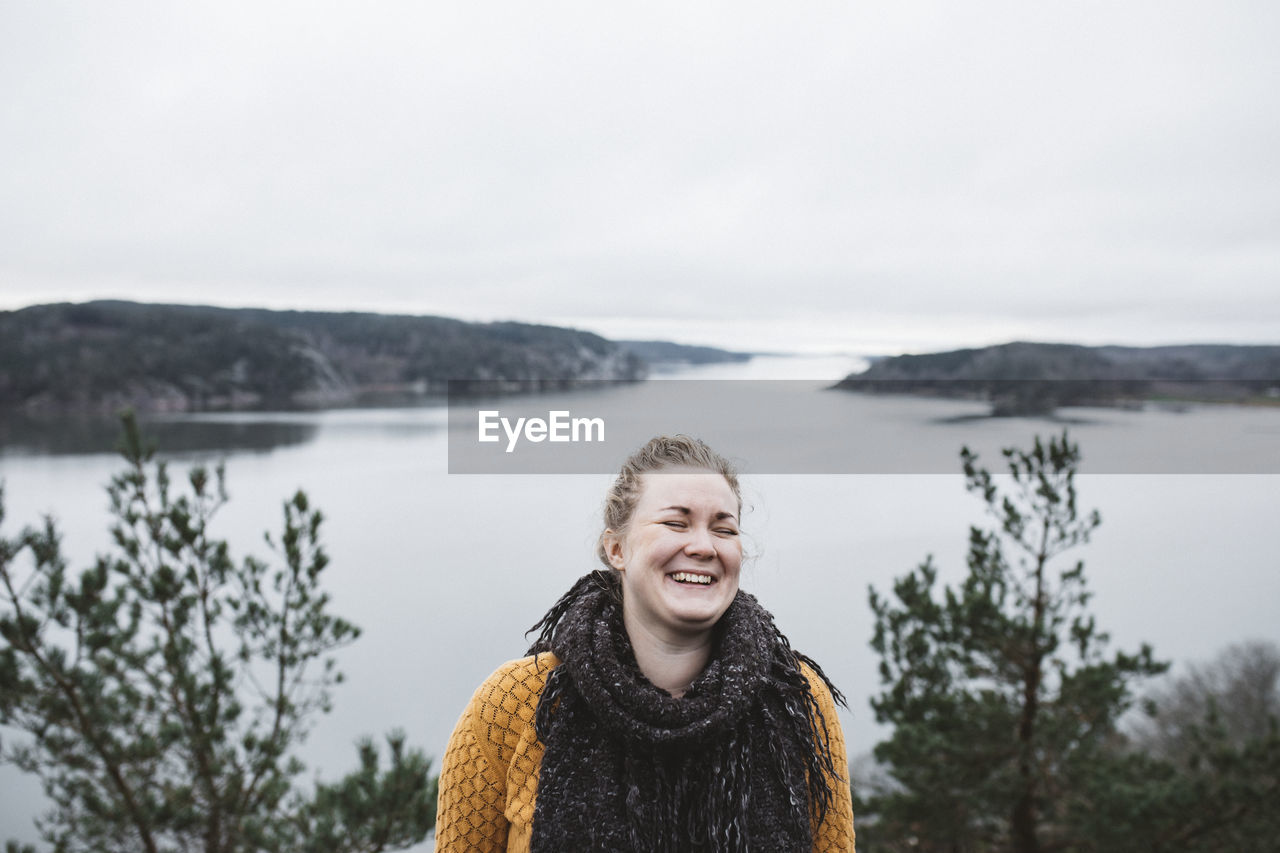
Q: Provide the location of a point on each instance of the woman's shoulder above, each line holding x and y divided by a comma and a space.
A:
528, 671
513, 689
502, 710
821, 688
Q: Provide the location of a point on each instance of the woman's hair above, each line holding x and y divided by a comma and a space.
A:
664, 451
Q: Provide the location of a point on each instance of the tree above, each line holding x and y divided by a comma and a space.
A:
1239, 689
165, 689
362, 813
1202, 774
999, 691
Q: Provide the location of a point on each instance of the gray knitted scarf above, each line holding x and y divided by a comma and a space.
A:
739, 763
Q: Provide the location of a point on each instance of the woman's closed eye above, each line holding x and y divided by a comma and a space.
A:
680, 525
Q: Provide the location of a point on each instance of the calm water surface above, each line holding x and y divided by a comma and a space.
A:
445, 572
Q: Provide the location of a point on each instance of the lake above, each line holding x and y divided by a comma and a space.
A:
444, 572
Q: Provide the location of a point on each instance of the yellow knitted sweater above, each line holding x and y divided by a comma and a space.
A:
489, 779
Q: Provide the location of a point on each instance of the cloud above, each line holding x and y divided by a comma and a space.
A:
927, 162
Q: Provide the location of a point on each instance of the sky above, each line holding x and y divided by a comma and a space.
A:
817, 177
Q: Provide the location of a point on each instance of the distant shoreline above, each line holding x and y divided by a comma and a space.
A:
1021, 378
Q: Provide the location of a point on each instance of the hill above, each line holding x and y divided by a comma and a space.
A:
99, 356
666, 352
1024, 378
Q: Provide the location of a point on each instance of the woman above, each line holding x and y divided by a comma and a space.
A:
660, 709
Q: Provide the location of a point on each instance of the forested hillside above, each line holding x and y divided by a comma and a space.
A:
1034, 378
99, 356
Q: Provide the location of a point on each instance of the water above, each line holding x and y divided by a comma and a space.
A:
445, 572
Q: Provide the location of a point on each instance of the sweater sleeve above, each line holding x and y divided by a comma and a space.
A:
472, 786
487, 773
835, 834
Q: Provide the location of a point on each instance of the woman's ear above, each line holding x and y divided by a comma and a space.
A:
613, 550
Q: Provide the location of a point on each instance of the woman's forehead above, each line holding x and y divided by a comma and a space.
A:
686, 487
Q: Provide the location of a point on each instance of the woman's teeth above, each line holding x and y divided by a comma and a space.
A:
690, 577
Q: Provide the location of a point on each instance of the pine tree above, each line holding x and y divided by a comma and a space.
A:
166, 688
999, 691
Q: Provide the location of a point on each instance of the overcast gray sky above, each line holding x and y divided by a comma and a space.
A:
849, 176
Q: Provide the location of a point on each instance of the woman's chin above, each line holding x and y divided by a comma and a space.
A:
701, 608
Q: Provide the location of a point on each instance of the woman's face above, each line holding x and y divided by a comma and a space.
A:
681, 555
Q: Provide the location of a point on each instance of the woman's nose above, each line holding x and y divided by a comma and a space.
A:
700, 543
